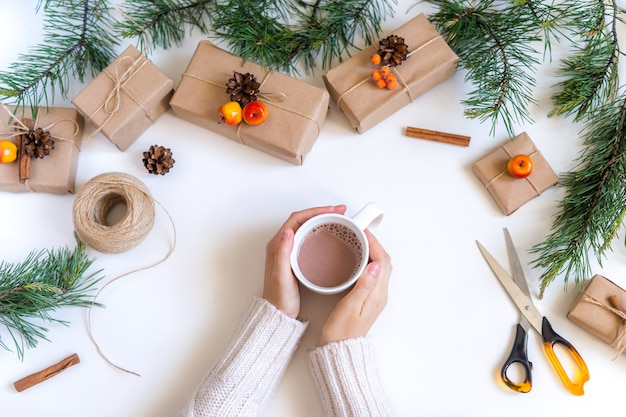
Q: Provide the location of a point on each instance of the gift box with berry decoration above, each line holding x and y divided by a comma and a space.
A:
509, 189
48, 148
599, 309
295, 110
126, 98
418, 59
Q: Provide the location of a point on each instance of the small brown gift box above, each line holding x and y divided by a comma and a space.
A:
593, 311
126, 98
511, 193
430, 61
56, 172
296, 110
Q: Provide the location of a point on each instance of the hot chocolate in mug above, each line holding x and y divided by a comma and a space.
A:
331, 250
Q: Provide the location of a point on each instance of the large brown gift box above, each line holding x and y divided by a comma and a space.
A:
511, 193
593, 311
125, 98
56, 172
430, 61
296, 110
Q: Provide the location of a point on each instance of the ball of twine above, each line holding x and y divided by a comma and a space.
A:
95, 200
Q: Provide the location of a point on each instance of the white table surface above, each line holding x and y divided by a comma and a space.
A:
447, 328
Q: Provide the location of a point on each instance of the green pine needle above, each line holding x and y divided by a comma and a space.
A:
32, 290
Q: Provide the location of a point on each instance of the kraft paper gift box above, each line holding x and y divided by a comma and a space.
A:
593, 311
296, 110
125, 98
508, 192
429, 62
56, 172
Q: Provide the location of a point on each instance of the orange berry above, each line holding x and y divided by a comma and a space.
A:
391, 78
375, 59
385, 70
381, 83
8, 151
377, 75
392, 85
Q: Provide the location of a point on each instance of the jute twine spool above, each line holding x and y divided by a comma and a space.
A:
94, 202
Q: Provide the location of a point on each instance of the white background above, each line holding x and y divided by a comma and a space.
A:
448, 325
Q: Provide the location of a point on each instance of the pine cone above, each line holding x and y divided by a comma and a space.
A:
158, 160
243, 88
392, 50
38, 143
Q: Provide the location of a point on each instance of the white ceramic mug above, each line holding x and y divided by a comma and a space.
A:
331, 250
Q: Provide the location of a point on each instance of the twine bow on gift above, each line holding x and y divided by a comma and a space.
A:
618, 343
112, 103
405, 86
26, 127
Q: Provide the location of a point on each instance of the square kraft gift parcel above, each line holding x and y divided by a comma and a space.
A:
429, 61
55, 173
296, 110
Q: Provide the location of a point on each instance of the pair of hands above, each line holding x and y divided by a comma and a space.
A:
357, 311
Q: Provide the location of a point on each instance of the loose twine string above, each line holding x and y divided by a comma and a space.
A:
20, 129
395, 71
618, 342
504, 171
93, 203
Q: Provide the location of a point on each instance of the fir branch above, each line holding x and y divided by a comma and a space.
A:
592, 71
77, 36
44, 282
494, 45
165, 22
594, 206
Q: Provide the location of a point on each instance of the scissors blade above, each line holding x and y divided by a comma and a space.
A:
517, 273
522, 301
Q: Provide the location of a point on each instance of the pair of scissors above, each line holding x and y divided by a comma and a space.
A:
517, 288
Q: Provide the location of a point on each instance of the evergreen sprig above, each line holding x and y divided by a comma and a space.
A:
494, 45
44, 282
77, 36
593, 209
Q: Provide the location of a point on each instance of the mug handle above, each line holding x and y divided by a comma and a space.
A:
370, 215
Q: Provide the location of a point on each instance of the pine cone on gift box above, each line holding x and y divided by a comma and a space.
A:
158, 160
243, 88
38, 143
392, 50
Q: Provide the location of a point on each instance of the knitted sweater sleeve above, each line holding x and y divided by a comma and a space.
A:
346, 376
244, 378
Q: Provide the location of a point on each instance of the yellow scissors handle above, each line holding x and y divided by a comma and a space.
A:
552, 338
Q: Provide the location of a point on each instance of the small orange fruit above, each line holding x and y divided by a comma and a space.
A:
230, 114
391, 78
520, 166
385, 70
8, 151
381, 83
375, 59
377, 75
255, 113
391, 84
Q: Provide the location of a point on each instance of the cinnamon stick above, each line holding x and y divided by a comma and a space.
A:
24, 159
437, 136
37, 377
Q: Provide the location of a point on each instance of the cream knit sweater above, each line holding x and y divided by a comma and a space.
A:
242, 381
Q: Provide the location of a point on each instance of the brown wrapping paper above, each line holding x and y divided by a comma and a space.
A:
430, 62
56, 172
593, 311
296, 114
126, 98
508, 192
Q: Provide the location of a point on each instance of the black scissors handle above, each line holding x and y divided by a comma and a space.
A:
519, 355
